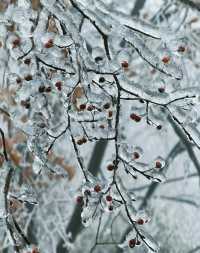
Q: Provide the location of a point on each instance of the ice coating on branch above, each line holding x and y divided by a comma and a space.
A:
149, 241
26, 194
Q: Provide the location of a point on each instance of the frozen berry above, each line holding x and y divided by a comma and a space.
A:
110, 167
109, 198
49, 44
181, 49
41, 88
132, 243
136, 155
158, 165
16, 43
101, 79
98, 59
87, 192
90, 108
106, 106
97, 188
84, 140
110, 114
135, 117
18, 80
80, 142
28, 78
159, 127
82, 107
124, 64
27, 61
140, 221
138, 242
166, 59
58, 85
48, 89
79, 200
161, 89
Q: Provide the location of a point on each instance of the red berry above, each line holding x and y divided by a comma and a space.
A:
84, 140
158, 165
181, 49
48, 89
138, 242
106, 106
140, 221
109, 198
166, 59
18, 80
136, 155
90, 108
79, 199
102, 126
161, 89
27, 61
49, 44
87, 192
28, 78
16, 43
101, 79
124, 64
159, 127
132, 243
41, 88
82, 107
59, 85
97, 188
110, 114
80, 142
110, 167
35, 250
135, 117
